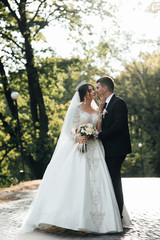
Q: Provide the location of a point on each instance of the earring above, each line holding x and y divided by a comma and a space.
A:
84, 100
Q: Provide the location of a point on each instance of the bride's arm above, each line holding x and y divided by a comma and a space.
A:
99, 121
100, 110
76, 137
80, 139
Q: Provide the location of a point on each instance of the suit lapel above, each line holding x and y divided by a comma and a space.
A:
111, 103
108, 108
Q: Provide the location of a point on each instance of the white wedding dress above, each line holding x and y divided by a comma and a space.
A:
76, 191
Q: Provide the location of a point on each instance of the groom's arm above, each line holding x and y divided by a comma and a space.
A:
119, 120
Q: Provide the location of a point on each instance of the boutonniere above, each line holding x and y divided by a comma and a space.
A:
104, 112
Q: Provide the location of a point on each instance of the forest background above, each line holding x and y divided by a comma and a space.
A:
46, 80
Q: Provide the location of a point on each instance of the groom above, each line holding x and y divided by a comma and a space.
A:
114, 134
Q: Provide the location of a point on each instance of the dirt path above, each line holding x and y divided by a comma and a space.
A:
18, 191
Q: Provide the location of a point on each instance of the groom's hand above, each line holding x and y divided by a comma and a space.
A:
82, 139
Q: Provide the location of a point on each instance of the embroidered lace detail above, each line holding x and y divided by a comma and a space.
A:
96, 196
97, 218
92, 157
93, 162
82, 117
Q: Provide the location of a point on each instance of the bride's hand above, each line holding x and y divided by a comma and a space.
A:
102, 100
82, 139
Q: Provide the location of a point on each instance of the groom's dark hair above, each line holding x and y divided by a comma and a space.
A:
107, 81
83, 90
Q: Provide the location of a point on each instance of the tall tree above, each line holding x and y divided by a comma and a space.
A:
139, 84
20, 29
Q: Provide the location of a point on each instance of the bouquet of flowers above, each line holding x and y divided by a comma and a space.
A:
86, 130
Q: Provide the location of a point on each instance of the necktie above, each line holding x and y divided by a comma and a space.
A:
105, 106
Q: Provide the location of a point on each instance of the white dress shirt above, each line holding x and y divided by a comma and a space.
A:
109, 99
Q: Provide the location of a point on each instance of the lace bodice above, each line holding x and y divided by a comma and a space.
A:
82, 117
93, 159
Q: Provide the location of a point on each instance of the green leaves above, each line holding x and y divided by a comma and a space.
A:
139, 85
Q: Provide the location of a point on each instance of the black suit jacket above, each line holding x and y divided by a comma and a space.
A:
115, 133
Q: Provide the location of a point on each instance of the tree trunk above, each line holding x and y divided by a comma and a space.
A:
36, 98
7, 91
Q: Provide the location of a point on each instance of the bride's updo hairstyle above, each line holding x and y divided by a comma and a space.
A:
82, 90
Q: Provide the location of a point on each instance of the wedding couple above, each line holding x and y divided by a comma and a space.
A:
82, 190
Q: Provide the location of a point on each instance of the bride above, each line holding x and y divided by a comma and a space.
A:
76, 191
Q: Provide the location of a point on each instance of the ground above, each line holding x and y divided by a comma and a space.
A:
142, 198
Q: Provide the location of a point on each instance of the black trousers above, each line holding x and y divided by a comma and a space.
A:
114, 166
